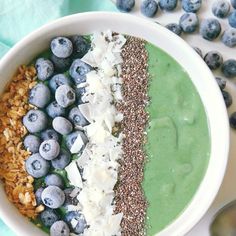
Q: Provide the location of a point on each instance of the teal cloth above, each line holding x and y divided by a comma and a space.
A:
20, 17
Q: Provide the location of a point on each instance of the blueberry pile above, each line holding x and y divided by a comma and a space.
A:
53, 127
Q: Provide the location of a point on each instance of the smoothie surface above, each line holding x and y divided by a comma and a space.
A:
178, 143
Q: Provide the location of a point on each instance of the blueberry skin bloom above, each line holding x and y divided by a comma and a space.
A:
62, 125
54, 110
36, 166
32, 143
49, 217
210, 29
232, 19
58, 80
62, 160
175, 28
168, 5
80, 46
191, 5
44, 68
149, 8
229, 68
125, 5
61, 47
59, 228
81, 222
220, 8
49, 149
229, 37
65, 95
55, 180
213, 59
189, 22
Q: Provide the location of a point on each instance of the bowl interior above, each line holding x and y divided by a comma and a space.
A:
86, 23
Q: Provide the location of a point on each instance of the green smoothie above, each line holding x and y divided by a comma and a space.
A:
178, 143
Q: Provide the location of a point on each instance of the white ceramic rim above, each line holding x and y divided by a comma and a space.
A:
190, 61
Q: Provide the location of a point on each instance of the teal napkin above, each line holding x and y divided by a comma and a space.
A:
20, 17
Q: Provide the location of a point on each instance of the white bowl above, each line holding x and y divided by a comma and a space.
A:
85, 23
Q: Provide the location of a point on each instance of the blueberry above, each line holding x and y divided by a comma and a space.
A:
38, 195
233, 3
65, 95
59, 228
70, 200
55, 180
76, 117
213, 59
62, 160
36, 166
149, 8
168, 5
49, 217
220, 8
49, 149
58, 80
229, 37
210, 29
232, 19
199, 51
61, 64
54, 110
232, 120
32, 143
44, 68
81, 222
175, 28
80, 45
229, 68
50, 134
125, 5
35, 121
39, 95
70, 139
61, 47
189, 22
191, 5
62, 125
221, 82
53, 197
78, 71
227, 98
79, 94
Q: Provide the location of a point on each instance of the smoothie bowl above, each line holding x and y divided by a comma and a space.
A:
108, 128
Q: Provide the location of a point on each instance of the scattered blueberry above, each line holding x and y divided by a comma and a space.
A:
53, 197
32, 143
49, 134
227, 98
59, 228
62, 160
220, 8
78, 71
221, 82
79, 93
55, 180
58, 80
233, 3
61, 64
44, 68
149, 8
70, 139
210, 29
65, 95
199, 51
38, 195
54, 110
175, 28
81, 222
35, 121
49, 149
49, 217
61, 47
39, 95
232, 120
232, 19
229, 68
229, 37
80, 45
213, 59
69, 199
125, 5
191, 5
36, 166
76, 117
62, 125
168, 5
189, 22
